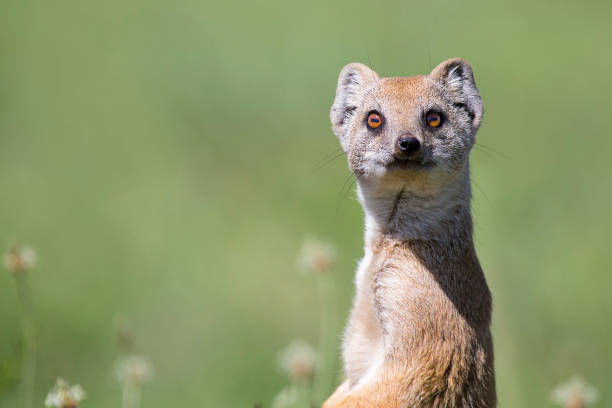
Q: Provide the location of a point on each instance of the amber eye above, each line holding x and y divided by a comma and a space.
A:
374, 120
433, 119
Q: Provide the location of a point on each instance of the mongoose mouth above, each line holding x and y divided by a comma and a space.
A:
413, 165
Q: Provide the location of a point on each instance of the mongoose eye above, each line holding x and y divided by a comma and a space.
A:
374, 120
433, 119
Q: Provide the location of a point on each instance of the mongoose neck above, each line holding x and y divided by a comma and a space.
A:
439, 212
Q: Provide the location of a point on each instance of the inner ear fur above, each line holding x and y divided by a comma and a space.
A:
457, 79
354, 81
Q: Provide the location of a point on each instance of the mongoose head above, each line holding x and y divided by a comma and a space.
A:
407, 131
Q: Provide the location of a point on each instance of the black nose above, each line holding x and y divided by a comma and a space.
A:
408, 144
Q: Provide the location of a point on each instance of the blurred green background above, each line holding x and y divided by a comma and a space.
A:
163, 158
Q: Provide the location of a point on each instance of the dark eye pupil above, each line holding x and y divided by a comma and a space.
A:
374, 119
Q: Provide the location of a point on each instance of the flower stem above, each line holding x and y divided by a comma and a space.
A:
303, 395
28, 365
131, 395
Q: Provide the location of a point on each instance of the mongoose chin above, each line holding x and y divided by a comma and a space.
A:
418, 333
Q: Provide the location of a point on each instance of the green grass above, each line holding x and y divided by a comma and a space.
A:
162, 159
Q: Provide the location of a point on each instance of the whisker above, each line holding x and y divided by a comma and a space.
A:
332, 153
490, 149
481, 191
479, 149
344, 191
328, 158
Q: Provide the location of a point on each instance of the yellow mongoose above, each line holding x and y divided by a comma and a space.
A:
418, 334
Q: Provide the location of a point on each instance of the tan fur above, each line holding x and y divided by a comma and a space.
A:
418, 334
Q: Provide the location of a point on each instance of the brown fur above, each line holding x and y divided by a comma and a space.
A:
418, 334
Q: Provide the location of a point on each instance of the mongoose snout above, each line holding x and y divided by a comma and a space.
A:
407, 145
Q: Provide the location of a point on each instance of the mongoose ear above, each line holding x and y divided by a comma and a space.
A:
354, 81
456, 77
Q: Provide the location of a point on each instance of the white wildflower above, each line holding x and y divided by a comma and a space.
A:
298, 360
64, 396
316, 256
574, 393
135, 370
19, 258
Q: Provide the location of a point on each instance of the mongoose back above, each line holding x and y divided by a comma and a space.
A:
418, 333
